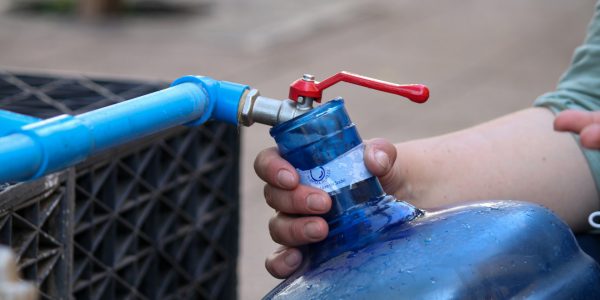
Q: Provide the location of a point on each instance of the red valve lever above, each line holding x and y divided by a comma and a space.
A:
309, 88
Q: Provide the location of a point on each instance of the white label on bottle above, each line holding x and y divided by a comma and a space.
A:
347, 169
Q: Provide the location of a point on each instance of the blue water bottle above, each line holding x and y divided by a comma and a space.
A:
380, 247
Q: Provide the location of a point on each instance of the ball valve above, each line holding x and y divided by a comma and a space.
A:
304, 91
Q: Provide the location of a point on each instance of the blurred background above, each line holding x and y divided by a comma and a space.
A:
481, 59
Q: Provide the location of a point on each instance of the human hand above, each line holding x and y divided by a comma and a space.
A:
297, 221
584, 123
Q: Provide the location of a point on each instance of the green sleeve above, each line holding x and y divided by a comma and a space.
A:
579, 87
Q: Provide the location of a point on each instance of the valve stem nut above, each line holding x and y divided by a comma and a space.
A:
308, 77
246, 106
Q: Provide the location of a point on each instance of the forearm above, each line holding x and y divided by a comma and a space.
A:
516, 157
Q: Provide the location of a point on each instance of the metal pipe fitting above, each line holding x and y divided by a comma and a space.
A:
255, 108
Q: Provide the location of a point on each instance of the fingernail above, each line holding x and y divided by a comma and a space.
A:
382, 159
292, 259
286, 178
312, 230
316, 202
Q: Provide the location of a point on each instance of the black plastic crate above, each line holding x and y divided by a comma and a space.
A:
154, 219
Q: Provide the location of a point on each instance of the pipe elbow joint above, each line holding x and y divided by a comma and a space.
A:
64, 141
223, 98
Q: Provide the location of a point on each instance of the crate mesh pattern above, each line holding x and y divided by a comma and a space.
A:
34, 231
156, 219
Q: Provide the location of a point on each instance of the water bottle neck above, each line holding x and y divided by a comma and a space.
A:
327, 151
361, 225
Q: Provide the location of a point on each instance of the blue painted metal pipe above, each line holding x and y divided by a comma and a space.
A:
31, 148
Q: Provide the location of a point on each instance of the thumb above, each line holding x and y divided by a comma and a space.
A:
380, 156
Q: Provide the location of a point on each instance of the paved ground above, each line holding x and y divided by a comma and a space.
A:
481, 59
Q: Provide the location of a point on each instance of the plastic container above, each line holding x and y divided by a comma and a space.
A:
382, 248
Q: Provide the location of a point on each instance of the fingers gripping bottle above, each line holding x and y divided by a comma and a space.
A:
379, 247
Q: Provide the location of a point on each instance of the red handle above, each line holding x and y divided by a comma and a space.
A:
309, 88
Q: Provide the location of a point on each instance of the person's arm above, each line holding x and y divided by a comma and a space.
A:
516, 157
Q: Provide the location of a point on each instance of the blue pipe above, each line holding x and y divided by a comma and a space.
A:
39, 148
11, 122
